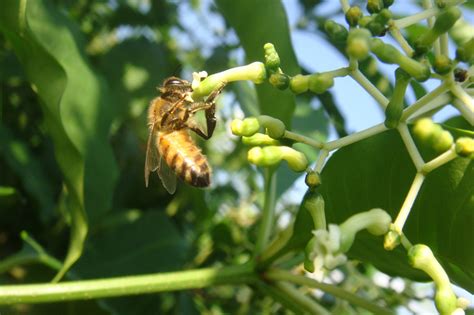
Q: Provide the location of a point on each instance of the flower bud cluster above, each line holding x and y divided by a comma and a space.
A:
267, 151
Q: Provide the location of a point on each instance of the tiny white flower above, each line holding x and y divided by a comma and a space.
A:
197, 78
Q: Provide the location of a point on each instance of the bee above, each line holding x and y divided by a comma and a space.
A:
170, 149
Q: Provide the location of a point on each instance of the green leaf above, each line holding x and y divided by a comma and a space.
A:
132, 243
33, 177
377, 173
134, 69
257, 23
75, 105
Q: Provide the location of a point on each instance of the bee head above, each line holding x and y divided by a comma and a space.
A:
175, 85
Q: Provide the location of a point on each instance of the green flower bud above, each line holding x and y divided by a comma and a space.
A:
312, 179
297, 161
358, 43
353, 15
246, 127
465, 147
365, 20
280, 80
392, 238
389, 54
272, 60
442, 64
444, 21
378, 23
272, 155
259, 139
445, 300
254, 72
465, 52
275, 128
308, 262
421, 257
424, 129
313, 202
394, 109
444, 140
336, 32
374, 6
299, 83
320, 82
266, 156
433, 135
376, 221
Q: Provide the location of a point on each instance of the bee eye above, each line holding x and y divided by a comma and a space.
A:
173, 82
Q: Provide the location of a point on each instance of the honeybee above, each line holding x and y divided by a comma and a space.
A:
170, 149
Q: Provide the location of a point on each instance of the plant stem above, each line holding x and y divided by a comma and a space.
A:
308, 304
370, 88
466, 113
130, 285
441, 89
323, 154
303, 139
439, 160
329, 146
397, 35
268, 210
283, 275
411, 147
408, 203
463, 97
415, 18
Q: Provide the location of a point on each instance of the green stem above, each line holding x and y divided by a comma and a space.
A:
408, 203
298, 297
303, 139
130, 285
439, 160
282, 275
441, 89
268, 211
397, 35
466, 113
411, 146
370, 88
336, 144
415, 18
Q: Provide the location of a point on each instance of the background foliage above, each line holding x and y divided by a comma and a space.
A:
76, 78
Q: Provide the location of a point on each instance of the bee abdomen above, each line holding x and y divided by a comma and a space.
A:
185, 158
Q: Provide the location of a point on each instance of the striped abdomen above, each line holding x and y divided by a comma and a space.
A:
184, 157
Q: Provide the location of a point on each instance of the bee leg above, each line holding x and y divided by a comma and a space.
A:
191, 124
211, 98
171, 112
211, 120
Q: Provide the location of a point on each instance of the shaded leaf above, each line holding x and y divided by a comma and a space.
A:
135, 243
74, 101
377, 173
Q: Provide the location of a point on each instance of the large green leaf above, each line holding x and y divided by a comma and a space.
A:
33, 177
257, 23
132, 243
377, 173
75, 105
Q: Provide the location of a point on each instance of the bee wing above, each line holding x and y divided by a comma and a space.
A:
152, 159
167, 176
